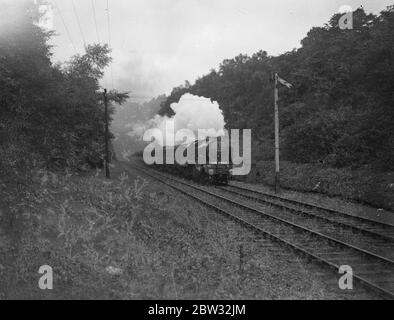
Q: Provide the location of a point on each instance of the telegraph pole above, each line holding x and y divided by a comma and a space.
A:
277, 165
107, 172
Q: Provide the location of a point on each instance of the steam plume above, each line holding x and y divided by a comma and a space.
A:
191, 112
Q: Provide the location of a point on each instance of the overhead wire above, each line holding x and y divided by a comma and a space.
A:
110, 42
65, 26
79, 23
95, 20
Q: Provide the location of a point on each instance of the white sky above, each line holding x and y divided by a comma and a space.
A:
158, 44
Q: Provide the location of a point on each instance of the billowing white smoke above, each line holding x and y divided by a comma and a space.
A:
193, 113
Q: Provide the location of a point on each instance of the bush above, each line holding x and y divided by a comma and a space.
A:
362, 185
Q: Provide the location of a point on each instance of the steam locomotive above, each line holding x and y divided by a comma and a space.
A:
206, 161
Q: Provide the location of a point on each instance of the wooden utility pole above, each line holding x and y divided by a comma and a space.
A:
277, 165
107, 172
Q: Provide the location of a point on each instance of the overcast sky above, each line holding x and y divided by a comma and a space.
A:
158, 44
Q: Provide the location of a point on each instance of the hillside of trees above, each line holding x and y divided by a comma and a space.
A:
51, 114
339, 112
338, 116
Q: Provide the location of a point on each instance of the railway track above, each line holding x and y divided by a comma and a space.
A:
372, 270
358, 224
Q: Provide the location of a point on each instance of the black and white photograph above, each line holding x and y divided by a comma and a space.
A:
196, 156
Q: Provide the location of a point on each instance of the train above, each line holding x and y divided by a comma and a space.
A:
206, 161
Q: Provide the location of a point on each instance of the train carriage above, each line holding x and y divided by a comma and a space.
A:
209, 162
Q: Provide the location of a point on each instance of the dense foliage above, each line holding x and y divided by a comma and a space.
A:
340, 110
50, 113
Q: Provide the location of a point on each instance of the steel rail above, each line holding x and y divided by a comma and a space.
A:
376, 287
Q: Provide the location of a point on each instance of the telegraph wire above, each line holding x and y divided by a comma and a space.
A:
95, 20
110, 42
79, 23
65, 26
109, 25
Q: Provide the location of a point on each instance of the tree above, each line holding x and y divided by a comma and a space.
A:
340, 109
52, 113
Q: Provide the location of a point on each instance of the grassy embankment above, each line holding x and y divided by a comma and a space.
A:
364, 186
159, 243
